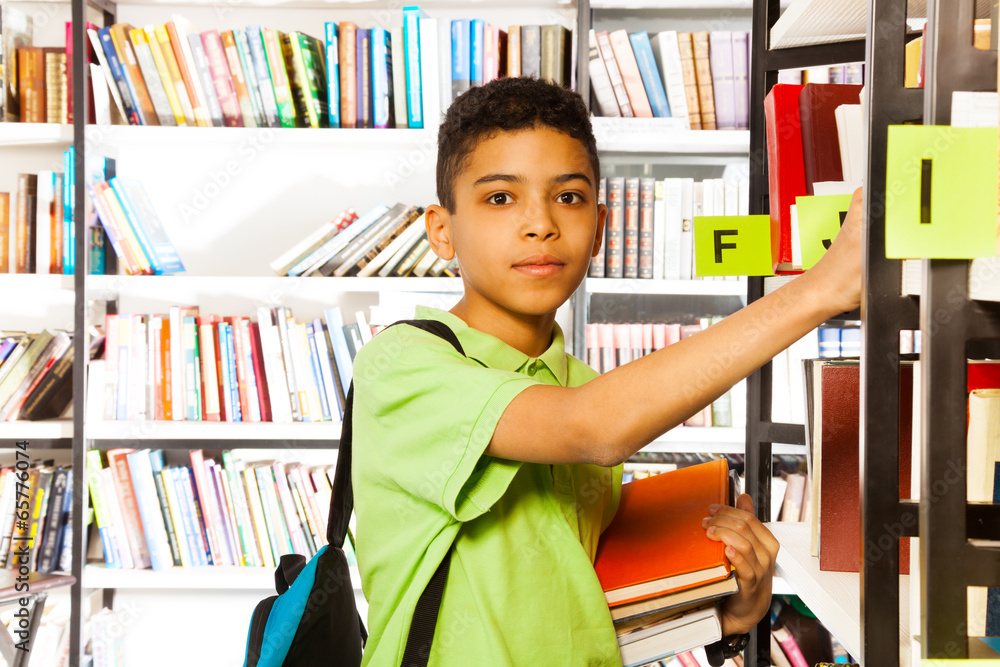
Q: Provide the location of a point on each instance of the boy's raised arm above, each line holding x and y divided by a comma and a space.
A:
610, 418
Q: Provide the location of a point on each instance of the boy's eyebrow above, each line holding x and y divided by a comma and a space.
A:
492, 178
576, 176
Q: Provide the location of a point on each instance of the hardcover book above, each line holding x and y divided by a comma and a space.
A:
622, 47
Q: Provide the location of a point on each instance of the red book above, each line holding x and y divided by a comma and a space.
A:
656, 544
241, 368
785, 167
118, 463
258, 370
839, 511
224, 413
820, 145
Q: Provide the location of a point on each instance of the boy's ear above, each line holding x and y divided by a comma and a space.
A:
602, 216
437, 220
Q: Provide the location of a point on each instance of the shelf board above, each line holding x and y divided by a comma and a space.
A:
226, 577
229, 433
21, 283
109, 141
833, 596
665, 136
35, 134
672, 5
677, 287
984, 279
809, 22
150, 285
53, 429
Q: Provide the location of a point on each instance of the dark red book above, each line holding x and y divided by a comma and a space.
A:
820, 143
785, 168
839, 509
258, 373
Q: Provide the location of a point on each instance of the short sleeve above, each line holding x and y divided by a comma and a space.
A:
423, 417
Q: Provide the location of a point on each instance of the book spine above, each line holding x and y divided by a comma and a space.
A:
239, 81
685, 44
255, 42
4, 231
240, 360
477, 53
616, 229
137, 83
790, 647
314, 360
210, 408
103, 518
192, 85
625, 58
650, 74
160, 62
382, 110
514, 50
250, 77
221, 79
279, 77
244, 524
741, 79
553, 61
234, 385
118, 75
176, 80
400, 114
348, 75
193, 517
161, 114
125, 492
597, 262
256, 509
157, 542
276, 529
460, 65
364, 77
204, 73
647, 236
332, 74
668, 55
225, 381
259, 377
411, 49
631, 232
304, 381
600, 82
723, 78
282, 326
703, 74
298, 84
614, 74
531, 51
278, 399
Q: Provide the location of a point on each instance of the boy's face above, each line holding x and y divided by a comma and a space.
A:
526, 222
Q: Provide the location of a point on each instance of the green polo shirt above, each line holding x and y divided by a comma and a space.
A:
521, 589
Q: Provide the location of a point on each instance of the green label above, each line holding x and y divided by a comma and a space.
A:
941, 192
820, 219
733, 245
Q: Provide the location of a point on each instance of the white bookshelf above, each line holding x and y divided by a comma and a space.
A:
833, 596
667, 136
229, 433
36, 134
40, 430
225, 577
38, 285
675, 287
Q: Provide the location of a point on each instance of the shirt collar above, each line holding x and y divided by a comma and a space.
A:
494, 353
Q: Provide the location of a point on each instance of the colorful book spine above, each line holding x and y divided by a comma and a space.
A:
239, 81
411, 48
204, 73
363, 58
650, 74
222, 79
250, 77
118, 75
615, 253
279, 77
255, 41
381, 46
460, 54
332, 74
348, 33
720, 51
234, 387
597, 262
647, 238
324, 398
476, 52
631, 231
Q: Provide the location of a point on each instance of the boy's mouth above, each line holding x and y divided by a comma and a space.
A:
540, 265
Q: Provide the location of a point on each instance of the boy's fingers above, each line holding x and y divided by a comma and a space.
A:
744, 511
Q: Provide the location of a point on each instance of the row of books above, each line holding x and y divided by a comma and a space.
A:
249, 514
612, 345
384, 241
131, 225
649, 232
33, 80
36, 373
186, 366
853, 73
839, 342
46, 493
699, 77
36, 223
50, 639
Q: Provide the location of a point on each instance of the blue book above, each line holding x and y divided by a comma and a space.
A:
49, 538
382, 114
363, 64
182, 491
476, 52
411, 53
233, 377
333, 73
829, 342
255, 41
341, 353
224, 380
149, 509
326, 366
132, 111
5, 348
460, 57
149, 230
324, 400
650, 74
69, 191
198, 505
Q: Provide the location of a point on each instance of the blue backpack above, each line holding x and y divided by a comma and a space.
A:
313, 620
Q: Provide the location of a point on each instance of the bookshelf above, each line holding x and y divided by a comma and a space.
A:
35, 134
256, 579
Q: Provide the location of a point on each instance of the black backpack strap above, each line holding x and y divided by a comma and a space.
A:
418, 641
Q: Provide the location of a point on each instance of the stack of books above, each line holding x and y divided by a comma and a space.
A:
130, 222
45, 494
662, 576
36, 373
385, 241
154, 514
700, 78
42, 224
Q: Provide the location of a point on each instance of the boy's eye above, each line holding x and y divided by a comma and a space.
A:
500, 199
570, 198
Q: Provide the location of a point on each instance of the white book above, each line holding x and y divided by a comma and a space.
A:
430, 83
186, 61
274, 369
668, 58
117, 519
673, 225
851, 135
600, 82
307, 245
671, 636
743, 196
95, 40
420, 270
404, 240
45, 200
796, 237
659, 231
398, 77
689, 191
444, 63
731, 197
363, 326
738, 395
176, 364
719, 196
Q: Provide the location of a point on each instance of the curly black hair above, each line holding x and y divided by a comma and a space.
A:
507, 105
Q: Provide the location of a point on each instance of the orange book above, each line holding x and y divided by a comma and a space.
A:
4, 232
129, 240
656, 544
120, 40
703, 73
165, 380
193, 92
629, 68
210, 368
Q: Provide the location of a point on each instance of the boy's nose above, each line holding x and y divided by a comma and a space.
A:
538, 222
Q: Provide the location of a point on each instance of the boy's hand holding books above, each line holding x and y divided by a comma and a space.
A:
751, 550
839, 271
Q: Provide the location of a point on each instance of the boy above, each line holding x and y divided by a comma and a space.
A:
511, 456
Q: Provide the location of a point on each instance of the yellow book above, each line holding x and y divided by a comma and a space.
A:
911, 58
161, 67
257, 516
308, 392
115, 207
174, 71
